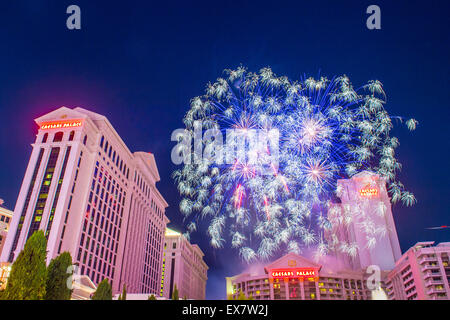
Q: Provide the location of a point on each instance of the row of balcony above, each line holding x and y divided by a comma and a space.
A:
433, 282
430, 267
431, 274
410, 285
411, 293
435, 290
427, 259
439, 298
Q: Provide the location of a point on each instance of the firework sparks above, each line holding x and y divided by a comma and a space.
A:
326, 130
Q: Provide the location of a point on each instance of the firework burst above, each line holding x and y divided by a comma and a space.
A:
326, 130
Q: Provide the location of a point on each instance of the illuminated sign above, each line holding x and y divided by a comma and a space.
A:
368, 191
61, 124
293, 273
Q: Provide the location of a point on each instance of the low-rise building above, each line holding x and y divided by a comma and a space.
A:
184, 267
5, 220
139, 296
293, 277
82, 288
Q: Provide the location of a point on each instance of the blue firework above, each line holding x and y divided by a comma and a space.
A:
326, 130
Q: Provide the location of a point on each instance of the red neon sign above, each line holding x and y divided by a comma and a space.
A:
368, 191
293, 273
61, 124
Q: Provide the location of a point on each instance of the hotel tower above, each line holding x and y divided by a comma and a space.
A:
363, 217
92, 197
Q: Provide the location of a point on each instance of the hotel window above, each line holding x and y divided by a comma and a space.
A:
58, 189
101, 141
43, 193
85, 140
44, 138
58, 137
72, 134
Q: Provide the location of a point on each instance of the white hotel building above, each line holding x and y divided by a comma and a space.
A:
94, 198
184, 267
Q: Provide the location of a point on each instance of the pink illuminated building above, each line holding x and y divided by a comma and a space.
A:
422, 273
293, 277
363, 221
363, 238
184, 267
92, 197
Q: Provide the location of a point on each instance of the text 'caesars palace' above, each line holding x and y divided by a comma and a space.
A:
97, 200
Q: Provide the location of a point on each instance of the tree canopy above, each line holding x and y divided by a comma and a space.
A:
27, 280
58, 273
103, 292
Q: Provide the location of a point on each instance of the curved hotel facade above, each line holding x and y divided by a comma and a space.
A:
92, 197
293, 277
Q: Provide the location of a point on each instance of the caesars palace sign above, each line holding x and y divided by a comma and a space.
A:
61, 124
293, 273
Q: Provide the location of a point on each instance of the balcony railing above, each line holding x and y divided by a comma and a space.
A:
439, 298
427, 259
433, 282
409, 286
435, 290
429, 267
405, 273
411, 293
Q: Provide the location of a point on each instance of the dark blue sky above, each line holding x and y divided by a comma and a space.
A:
140, 62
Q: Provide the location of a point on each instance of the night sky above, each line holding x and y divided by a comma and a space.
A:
140, 62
